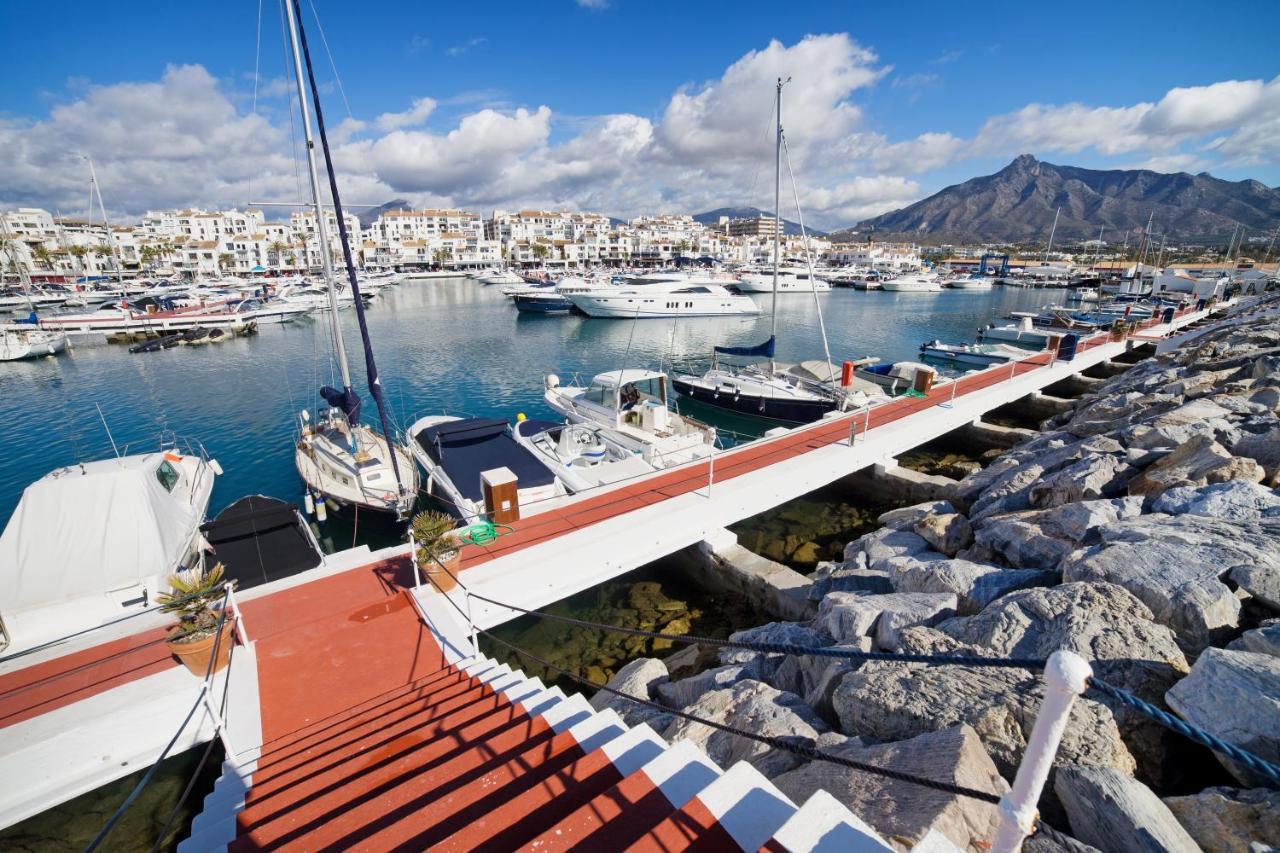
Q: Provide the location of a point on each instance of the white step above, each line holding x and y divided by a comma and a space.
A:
746, 805
681, 772
822, 824
633, 749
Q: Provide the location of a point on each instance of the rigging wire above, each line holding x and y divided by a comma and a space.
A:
808, 256
293, 128
332, 65
257, 71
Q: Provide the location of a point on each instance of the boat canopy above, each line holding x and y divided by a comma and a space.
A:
765, 349
89, 529
346, 400
615, 378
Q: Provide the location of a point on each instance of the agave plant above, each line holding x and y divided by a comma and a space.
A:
194, 598
433, 532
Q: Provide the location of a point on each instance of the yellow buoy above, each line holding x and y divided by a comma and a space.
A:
520, 417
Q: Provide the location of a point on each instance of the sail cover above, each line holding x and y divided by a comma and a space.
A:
345, 400
764, 349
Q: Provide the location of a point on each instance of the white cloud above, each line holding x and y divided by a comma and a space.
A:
594, 5
417, 114
460, 49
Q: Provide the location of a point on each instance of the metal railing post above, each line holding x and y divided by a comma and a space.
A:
239, 617
866, 422
1066, 676
711, 470
471, 624
1013, 366
853, 430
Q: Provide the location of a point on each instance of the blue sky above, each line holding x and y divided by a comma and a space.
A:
521, 98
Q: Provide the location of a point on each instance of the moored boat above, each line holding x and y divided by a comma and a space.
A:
978, 354
581, 455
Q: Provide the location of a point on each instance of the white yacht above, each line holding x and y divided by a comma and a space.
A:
973, 281
654, 300
504, 277
455, 453
790, 280
17, 343
92, 542
913, 283
634, 405
352, 465
582, 456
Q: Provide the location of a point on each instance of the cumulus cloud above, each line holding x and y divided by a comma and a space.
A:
188, 138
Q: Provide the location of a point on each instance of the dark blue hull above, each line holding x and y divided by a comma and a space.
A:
792, 411
542, 304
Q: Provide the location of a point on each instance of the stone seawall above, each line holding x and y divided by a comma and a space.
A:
1141, 529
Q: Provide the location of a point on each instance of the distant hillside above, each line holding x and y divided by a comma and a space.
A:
711, 217
368, 215
1017, 204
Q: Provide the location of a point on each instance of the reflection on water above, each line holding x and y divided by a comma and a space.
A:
75, 823
443, 345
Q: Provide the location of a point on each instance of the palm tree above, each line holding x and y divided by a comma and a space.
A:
277, 249
42, 255
148, 255
540, 251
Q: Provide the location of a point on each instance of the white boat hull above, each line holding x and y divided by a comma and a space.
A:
328, 470
630, 306
35, 343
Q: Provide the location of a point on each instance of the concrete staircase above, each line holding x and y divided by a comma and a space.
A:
479, 756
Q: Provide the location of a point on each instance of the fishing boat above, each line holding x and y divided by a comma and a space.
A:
701, 300
456, 452
582, 456
340, 459
979, 354
92, 542
897, 377
789, 280
1023, 332
634, 405
427, 275
913, 283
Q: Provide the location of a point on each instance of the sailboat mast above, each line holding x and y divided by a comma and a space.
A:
12, 243
777, 215
1052, 231
115, 252
322, 231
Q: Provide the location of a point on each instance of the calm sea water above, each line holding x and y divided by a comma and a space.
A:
444, 345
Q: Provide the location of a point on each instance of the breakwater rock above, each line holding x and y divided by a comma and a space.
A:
1140, 529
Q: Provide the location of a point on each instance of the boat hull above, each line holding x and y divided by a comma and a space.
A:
542, 304
637, 306
772, 408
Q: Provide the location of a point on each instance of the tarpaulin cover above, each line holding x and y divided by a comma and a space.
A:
764, 349
85, 530
259, 539
346, 400
465, 449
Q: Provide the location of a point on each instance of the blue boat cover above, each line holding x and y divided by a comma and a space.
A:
345, 400
467, 448
765, 349
529, 428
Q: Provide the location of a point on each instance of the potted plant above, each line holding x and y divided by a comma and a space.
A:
194, 598
437, 548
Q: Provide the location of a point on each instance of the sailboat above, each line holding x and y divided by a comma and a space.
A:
25, 339
339, 458
800, 394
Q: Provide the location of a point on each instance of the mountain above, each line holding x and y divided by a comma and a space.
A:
711, 217
369, 215
1017, 204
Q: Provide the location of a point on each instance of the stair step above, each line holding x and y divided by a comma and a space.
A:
823, 823
626, 812
741, 808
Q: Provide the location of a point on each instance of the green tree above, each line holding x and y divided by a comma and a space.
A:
277, 249
540, 251
42, 256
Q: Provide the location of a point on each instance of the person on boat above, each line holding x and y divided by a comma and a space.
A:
630, 396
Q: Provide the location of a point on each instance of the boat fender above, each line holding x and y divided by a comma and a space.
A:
215, 467
309, 504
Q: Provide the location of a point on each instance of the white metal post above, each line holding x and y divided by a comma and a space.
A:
1012, 367
413, 563
471, 625
866, 422
711, 470
239, 617
1066, 676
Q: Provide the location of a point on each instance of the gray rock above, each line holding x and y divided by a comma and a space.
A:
884, 544
848, 616
787, 633
905, 610
1174, 565
1042, 538
1230, 819
974, 584
1106, 625
1236, 697
640, 678
905, 517
1262, 582
850, 576
1198, 462
1117, 814
1266, 397
1093, 477
1263, 448
1263, 640
893, 701
947, 533
1235, 500
996, 585
906, 812
686, 691
816, 678
755, 707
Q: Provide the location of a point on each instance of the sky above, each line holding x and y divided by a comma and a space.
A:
625, 107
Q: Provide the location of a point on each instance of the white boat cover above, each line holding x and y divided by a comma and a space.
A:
92, 528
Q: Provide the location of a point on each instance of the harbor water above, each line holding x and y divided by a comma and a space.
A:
446, 345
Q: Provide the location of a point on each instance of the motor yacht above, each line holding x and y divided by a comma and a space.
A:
583, 455
634, 404
702, 300
913, 283
790, 280
17, 343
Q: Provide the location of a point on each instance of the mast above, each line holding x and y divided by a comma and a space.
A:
22, 270
97, 188
371, 367
322, 231
1052, 231
777, 218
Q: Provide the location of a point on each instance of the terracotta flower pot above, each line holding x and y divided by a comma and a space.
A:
442, 580
195, 654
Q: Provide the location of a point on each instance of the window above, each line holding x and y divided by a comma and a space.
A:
167, 475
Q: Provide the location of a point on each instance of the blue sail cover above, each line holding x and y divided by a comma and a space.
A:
764, 349
345, 400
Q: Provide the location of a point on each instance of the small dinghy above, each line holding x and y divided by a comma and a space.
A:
157, 344
582, 456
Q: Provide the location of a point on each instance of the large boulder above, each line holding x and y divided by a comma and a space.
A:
903, 811
1198, 462
892, 701
1231, 820
1042, 538
905, 517
1175, 565
1234, 696
1093, 477
1263, 640
975, 585
686, 691
1235, 500
1260, 581
848, 616
883, 545
778, 633
1118, 814
757, 708
1263, 448
816, 678
640, 678
948, 533
848, 576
